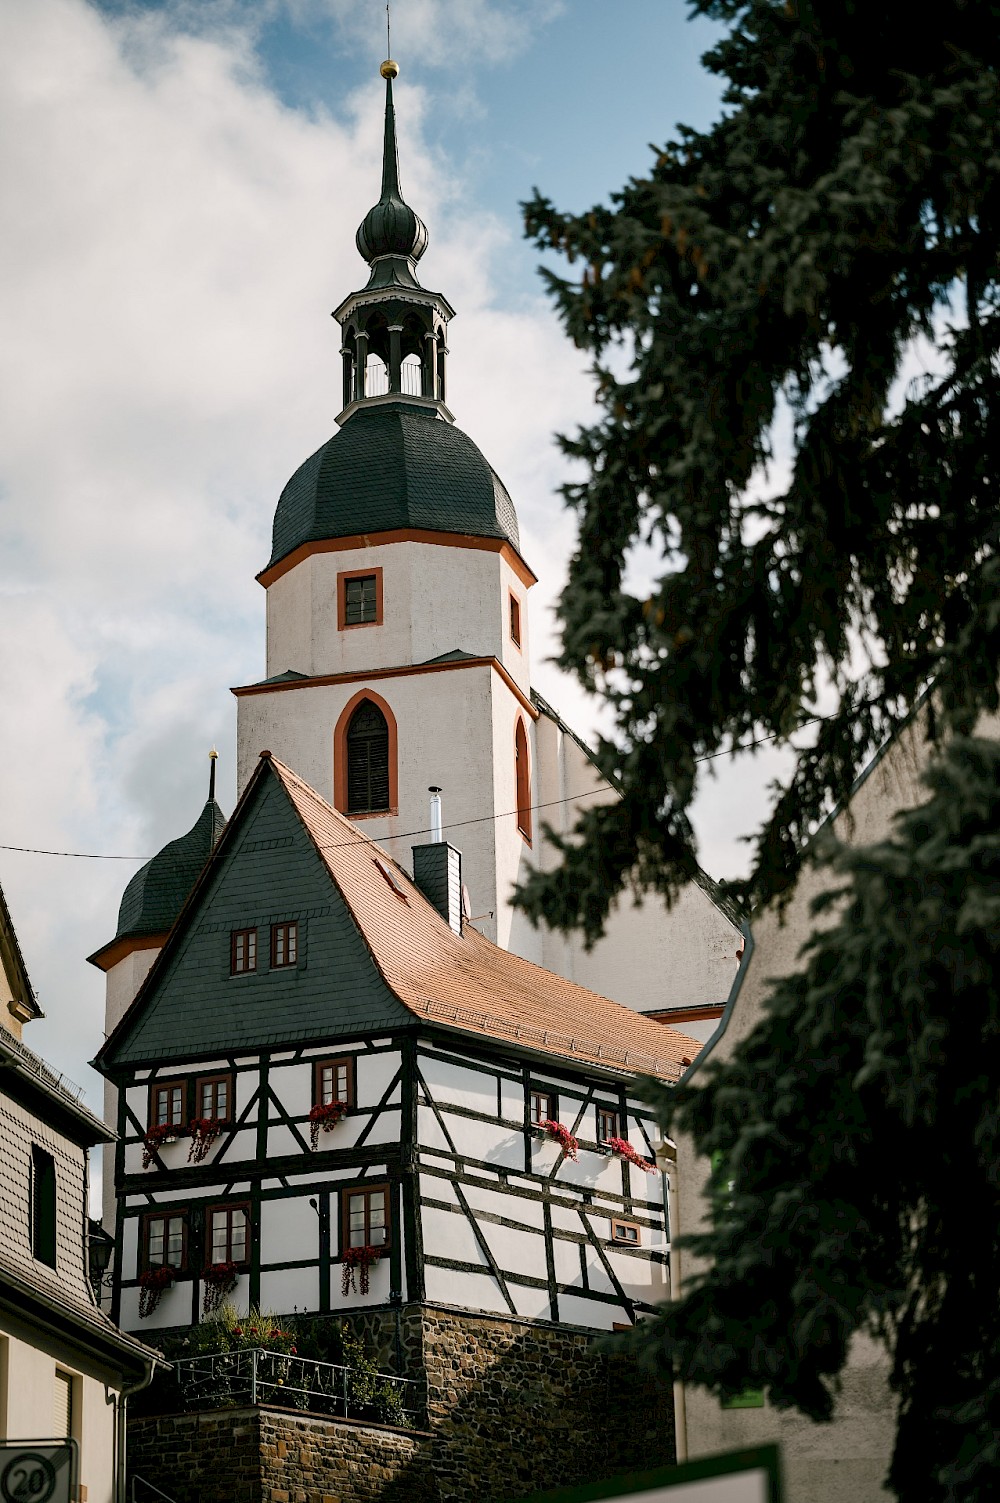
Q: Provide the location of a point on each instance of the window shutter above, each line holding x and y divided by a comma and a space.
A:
367, 760
63, 1406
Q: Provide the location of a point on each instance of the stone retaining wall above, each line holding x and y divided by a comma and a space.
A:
513, 1407
267, 1456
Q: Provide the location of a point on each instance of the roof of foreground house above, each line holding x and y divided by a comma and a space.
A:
393, 958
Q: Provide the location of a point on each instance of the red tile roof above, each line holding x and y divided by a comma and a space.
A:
466, 982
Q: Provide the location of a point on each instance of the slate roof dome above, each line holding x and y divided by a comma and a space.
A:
158, 891
393, 465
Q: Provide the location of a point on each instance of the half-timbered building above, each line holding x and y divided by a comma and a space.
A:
332, 1092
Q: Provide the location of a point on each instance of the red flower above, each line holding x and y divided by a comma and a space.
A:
363, 1258
625, 1150
204, 1131
325, 1119
152, 1283
562, 1136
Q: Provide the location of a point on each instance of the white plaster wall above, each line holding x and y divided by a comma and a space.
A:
845, 1461
289, 1231
285, 1290
435, 598
28, 1362
445, 737
122, 983
465, 1291
650, 957
515, 855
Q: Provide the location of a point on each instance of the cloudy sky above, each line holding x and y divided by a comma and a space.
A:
180, 183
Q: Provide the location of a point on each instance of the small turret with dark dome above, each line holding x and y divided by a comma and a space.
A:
156, 894
394, 329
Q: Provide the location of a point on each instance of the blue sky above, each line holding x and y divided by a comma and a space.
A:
180, 184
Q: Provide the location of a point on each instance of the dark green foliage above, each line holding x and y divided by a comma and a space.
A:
856, 1134
780, 267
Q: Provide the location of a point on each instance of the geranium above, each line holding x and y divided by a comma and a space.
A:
363, 1258
155, 1138
152, 1284
624, 1150
324, 1119
562, 1136
204, 1131
220, 1280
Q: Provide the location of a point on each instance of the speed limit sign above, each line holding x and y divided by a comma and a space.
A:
37, 1471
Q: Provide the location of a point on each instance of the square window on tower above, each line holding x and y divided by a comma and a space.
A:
361, 600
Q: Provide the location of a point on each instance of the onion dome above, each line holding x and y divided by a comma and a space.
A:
391, 228
156, 894
394, 465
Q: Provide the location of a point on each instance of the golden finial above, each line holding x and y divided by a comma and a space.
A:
389, 69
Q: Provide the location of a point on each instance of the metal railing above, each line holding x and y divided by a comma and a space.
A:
377, 378
258, 1376
149, 1490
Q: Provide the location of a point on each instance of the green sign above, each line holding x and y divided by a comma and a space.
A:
750, 1476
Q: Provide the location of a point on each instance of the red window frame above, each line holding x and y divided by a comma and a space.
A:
626, 1233
515, 618
608, 1125
536, 1113
159, 1088
522, 779
229, 1210
248, 954
284, 945
374, 572
365, 1192
166, 1215
212, 1084
341, 1062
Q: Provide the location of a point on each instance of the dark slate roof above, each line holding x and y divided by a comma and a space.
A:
267, 869
158, 891
393, 465
13, 964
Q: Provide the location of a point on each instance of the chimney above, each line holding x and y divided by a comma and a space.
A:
437, 869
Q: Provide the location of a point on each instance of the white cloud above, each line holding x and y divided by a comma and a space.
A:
174, 239
440, 32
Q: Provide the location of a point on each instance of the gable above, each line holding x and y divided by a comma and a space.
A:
267, 871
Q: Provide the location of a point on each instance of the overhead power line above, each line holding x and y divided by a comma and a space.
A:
32, 850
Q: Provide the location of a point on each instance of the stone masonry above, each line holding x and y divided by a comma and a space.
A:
513, 1407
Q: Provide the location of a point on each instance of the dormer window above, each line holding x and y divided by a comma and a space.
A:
359, 598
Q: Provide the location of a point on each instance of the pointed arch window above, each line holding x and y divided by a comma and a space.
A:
367, 760
522, 780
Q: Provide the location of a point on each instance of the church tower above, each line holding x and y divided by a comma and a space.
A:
397, 622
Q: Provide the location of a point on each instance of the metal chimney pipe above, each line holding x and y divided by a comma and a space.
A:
437, 829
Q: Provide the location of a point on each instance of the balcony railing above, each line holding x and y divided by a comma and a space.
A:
255, 1375
377, 378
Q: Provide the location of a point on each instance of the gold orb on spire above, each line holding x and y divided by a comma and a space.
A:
389, 69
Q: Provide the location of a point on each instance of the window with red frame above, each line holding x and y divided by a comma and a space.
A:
228, 1239
515, 620
168, 1104
607, 1124
165, 1241
333, 1081
543, 1108
366, 1216
284, 944
214, 1097
243, 951
625, 1232
522, 780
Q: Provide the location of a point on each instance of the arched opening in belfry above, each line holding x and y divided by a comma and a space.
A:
367, 760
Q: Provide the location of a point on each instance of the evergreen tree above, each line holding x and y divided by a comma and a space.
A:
794, 324
825, 254
855, 1134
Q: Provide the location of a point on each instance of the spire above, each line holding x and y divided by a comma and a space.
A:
391, 228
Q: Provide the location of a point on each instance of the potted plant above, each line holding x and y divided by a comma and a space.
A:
624, 1150
204, 1131
156, 1137
325, 1119
561, 1135
360, 1258
220, 1280
152, 1285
